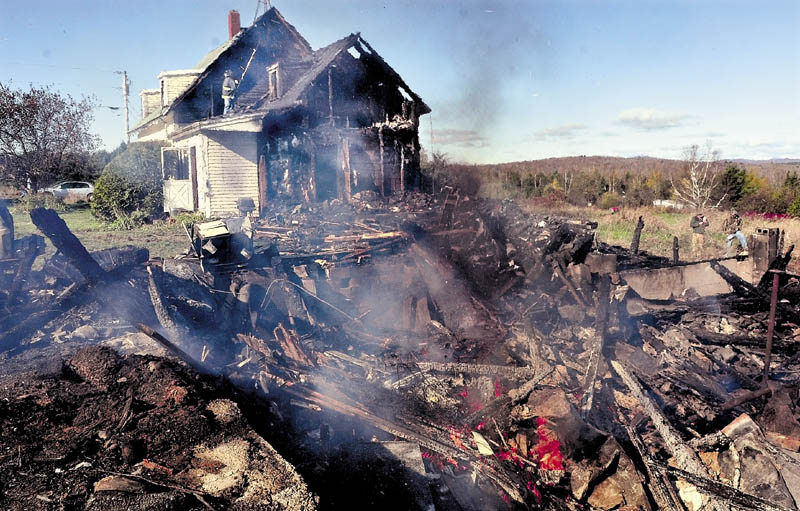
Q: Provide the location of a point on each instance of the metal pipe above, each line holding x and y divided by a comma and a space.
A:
773, 303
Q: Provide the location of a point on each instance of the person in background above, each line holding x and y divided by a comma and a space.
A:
228, 88
699, 223
733, 229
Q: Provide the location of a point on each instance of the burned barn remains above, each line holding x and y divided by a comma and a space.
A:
303, 125
409, 352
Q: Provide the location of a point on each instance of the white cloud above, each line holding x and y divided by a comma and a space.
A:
649, 119
462, 138
565, 131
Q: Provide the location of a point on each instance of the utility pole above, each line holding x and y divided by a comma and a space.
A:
125, 85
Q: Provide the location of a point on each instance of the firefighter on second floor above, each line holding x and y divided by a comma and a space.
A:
228, 89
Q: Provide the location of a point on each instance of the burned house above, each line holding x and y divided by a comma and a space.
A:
305, 125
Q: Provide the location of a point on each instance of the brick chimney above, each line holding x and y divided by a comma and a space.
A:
234, 23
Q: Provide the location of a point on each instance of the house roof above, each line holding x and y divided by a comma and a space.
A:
202, 68
320, 60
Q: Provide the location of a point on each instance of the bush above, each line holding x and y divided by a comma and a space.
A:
189, 218
794, 207
131, 188
39, 200
609, 200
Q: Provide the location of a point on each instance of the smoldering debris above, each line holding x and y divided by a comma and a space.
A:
403, 353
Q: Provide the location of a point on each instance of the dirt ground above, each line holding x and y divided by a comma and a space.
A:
106, 432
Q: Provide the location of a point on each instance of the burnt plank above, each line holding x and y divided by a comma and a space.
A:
52, 226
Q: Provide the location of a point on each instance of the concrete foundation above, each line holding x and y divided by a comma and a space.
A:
672, 282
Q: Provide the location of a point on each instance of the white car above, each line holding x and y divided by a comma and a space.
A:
72, 191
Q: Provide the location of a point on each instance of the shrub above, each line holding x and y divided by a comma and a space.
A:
189, 218
609, 200
130, 188
39, 200
794, 207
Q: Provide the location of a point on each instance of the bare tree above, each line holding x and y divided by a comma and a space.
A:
40, 130
696, 185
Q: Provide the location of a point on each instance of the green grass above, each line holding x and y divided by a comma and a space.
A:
162, 240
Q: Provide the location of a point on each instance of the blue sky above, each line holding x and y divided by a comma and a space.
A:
507, 80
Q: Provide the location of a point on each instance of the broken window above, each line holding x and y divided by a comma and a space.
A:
274, 80
175, 162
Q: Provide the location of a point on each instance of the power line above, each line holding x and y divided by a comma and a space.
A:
54, 66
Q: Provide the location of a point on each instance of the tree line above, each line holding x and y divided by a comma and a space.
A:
700, 180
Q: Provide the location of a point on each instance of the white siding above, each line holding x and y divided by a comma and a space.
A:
232, 171
175, 82
151, 101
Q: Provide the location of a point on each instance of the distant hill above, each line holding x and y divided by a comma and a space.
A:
774, 169
780, 161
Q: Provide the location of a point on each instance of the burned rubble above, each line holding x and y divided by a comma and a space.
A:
412, 352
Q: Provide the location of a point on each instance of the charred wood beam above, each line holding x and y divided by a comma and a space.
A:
570, 286
52, 226
173, 348
675, 250
160, 308
746, 397
739, 286
661, 488
685, 457
601, 326
69, 298
637, 234
34, 247
773, 302
481, 369
729, 494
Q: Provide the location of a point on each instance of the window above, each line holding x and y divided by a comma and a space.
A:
274, 79
175, 162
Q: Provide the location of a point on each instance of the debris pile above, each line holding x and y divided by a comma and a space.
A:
417, 352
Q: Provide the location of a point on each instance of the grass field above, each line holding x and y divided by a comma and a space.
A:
163, 240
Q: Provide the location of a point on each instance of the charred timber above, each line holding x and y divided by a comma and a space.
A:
637, 234
685, 457
52, 226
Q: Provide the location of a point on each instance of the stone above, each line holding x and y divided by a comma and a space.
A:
759, 474
692, 499
118, 483
584, 474
574, 313
551, 403
726, 354
85, 332
607, 495
780, 426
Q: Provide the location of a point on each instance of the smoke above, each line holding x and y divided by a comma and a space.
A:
492, 44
